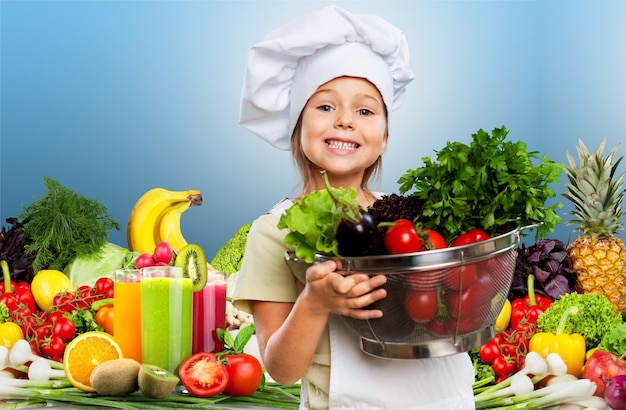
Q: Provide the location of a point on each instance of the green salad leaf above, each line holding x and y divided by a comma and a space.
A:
312, 221
486, 184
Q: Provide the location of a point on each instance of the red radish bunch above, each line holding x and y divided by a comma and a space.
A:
162, 256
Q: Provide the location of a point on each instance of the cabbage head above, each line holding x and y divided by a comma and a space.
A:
86, 270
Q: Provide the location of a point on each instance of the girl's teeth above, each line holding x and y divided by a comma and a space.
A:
342, 145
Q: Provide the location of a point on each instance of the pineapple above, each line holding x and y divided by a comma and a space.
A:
598, 257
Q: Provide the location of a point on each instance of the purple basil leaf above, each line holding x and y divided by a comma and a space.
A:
557, 287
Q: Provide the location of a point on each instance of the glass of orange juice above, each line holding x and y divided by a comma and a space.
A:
127, 318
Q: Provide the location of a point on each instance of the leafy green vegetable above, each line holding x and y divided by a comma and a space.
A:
5, 315
63, 225
596, 316
312, 221
84, 321
482, 370
614, 341
485, 185
228, 258
85, 270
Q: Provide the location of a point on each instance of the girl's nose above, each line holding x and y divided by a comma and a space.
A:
344, 120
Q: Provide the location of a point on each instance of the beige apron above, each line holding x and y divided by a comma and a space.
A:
361, 381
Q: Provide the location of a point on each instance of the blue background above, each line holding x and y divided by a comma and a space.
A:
113, 98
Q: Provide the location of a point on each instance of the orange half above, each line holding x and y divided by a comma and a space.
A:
84, 353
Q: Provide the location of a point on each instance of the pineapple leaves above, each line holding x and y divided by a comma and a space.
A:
487, 184
594, 191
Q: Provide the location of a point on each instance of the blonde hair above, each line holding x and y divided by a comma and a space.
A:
308, 169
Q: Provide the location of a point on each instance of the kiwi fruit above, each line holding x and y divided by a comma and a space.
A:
117, 377
192, 260
156, 382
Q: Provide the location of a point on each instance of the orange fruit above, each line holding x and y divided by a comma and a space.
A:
84, 353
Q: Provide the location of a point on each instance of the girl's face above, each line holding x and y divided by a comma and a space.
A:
344, 127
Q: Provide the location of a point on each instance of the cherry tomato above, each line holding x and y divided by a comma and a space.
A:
64, 301
105, 286
104, 317
54, 315
85, 296
489, 352
144, 260
245, 374
203, 375
504, 366
402, 237
471, 236
52, 347
64, 328
421, 306
163, 253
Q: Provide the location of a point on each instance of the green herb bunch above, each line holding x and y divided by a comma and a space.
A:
486, 184
63, 225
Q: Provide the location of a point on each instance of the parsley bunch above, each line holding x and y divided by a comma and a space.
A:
485, 184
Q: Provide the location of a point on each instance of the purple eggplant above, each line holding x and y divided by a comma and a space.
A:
359, 238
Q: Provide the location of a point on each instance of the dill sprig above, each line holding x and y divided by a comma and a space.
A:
63, 225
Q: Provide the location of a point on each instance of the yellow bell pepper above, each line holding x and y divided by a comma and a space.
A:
10, 332
570, 347
502, 322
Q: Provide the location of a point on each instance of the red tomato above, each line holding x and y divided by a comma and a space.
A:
245, 374
422, 306
434, 240
163, 253
52, 347
440, 327
64, 328
471, 236
104, 286
203, 375
469, 302
402, 237
489, 352
460, 277
504, 366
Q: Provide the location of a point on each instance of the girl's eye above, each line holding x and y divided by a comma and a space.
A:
325, 107
365, 112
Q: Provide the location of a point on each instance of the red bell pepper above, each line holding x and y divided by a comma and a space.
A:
525, 311
16, 296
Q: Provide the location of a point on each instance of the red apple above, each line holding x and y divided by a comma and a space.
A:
601, 367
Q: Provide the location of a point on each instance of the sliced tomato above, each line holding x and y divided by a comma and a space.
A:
203, 375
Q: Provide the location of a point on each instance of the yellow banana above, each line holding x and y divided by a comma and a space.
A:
144, 215
168, 228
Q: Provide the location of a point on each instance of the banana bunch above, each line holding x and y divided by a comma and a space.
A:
156, 218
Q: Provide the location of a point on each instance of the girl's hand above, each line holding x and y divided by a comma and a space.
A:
344, 295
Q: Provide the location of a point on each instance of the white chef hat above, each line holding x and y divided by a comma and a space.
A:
291, 62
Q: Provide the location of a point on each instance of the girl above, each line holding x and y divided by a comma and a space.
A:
323, 85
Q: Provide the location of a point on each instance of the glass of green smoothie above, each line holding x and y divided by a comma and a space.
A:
166, 315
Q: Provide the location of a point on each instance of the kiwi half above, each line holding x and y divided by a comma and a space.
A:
156, 382
192, 260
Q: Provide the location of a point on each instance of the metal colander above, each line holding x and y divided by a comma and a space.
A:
470, 284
